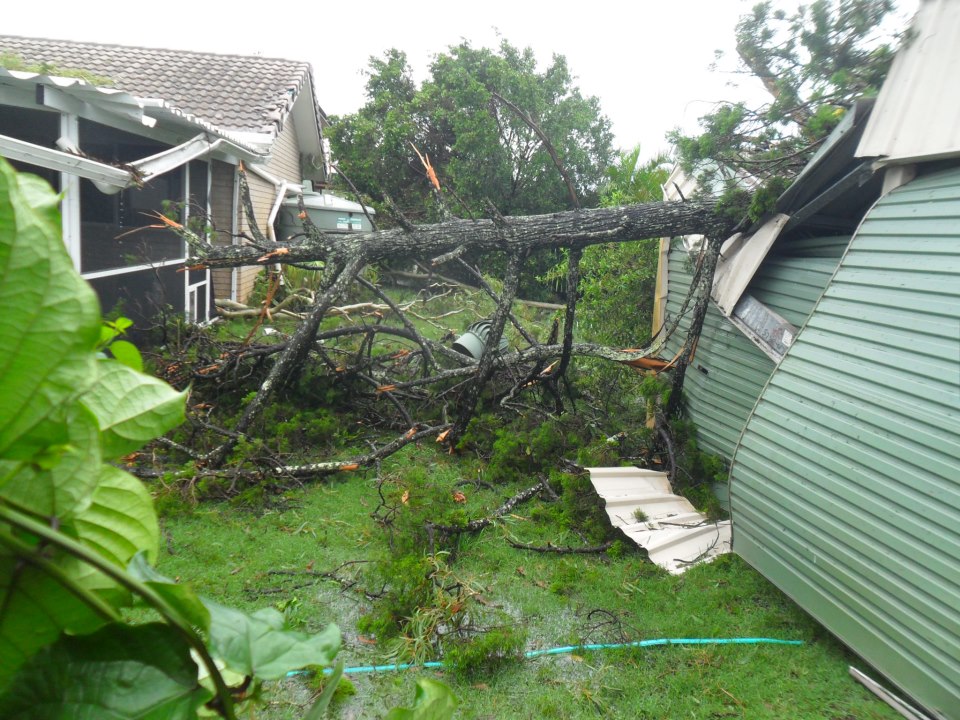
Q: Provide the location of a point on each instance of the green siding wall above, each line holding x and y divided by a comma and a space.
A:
845, 487
720, 399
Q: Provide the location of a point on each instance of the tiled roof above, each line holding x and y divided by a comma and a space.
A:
235, 92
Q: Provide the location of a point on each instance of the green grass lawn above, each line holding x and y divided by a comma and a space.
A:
252, 557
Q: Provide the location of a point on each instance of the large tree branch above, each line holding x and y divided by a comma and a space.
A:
573, 229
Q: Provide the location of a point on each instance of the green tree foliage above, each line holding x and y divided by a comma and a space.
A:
813, 63
617, 280
480, 149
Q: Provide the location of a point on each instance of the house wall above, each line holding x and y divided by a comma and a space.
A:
719, 400
284, 164
221, 210
845, 488
284, 161
729, 371
261, 197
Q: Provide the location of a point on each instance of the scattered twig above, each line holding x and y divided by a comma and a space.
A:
568, 550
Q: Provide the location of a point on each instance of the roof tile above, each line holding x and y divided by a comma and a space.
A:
246, 93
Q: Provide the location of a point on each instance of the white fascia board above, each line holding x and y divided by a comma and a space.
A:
16, 96
64, 162
20, 96
238, 142
174, 157
105, 109
257, 140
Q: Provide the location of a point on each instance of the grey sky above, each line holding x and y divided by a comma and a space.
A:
647, 60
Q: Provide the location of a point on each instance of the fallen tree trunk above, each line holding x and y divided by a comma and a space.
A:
572, 229
345, 256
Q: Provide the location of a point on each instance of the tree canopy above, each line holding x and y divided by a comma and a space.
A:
813, 63
479, 147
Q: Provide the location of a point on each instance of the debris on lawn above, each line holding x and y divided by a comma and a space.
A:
642, 504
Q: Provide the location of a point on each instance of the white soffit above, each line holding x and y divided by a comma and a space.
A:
917, 114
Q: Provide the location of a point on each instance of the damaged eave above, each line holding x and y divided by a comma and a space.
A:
110, 178
740, 258
199, 146
98, 172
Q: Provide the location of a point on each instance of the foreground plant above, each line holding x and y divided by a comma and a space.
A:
71, 522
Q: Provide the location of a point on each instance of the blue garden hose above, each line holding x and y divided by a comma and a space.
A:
570, 649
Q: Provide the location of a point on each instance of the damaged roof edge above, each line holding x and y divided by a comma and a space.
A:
76, 94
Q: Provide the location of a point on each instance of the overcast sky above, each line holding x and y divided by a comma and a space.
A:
646, 60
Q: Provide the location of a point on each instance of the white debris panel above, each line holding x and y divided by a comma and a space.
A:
667, 526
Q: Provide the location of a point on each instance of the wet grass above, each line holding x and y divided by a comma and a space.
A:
268, 551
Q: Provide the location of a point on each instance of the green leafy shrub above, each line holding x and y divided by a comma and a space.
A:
77, 532
488, 653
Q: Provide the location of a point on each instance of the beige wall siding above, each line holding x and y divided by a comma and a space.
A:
261, 196
284, 164
284, 161
221, 209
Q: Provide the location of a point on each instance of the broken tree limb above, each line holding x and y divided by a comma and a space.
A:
304, 471
485, 286
707, 267
477, 525
291, 359
573, 282
231, 309
468, 399
433, 277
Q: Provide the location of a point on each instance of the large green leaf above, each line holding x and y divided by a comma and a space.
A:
59, 481
120, 521
260, 645
132, 408
34, 609
318, 710
180, 597
121, 672
49, 317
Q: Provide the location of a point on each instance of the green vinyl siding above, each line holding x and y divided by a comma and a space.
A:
719, 400
845, 486
729, 371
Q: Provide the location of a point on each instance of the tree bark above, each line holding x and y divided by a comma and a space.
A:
573, 229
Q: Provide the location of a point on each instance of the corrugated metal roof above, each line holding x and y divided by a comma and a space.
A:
845, 487
917, 114
675, 536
